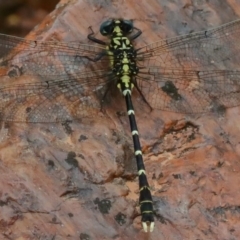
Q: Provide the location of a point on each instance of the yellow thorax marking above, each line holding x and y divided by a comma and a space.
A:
116, 41
127, 40
125, 68
119, 85
126, 80
125, 58
126, 44
117, 29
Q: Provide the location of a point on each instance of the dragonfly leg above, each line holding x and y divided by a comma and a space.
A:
92, 38
97, 58
136, 35
140, 92
105, 95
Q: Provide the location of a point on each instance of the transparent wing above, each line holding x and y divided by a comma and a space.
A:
192, 73
50, 81
217, 47
49, 59
190, 91
53, 81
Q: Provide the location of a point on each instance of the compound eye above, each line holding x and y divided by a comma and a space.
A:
127, 26
107, 27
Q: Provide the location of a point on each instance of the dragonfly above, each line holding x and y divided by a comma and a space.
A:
52, 81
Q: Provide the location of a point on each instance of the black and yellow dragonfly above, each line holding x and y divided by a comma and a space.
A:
50, 81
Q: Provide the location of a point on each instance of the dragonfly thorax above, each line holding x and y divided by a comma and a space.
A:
122, 54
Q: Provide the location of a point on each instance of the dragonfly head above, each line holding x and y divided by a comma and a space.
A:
112, 26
